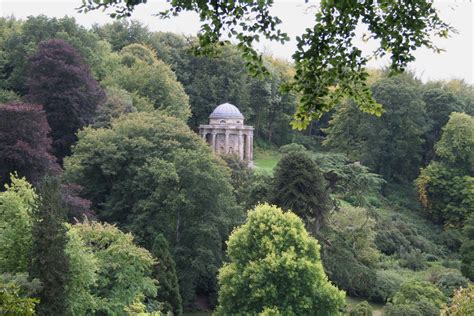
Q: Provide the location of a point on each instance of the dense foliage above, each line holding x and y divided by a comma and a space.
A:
446, 185
17, 203
467, 248
137, 168
122, 270
50, 263
275, 265
390, 145
337, 69
152, 175
149, 77
416, 298
299, 186
61, 82
462, 303
25, 147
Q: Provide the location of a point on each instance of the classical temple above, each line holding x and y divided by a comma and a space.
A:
227, 134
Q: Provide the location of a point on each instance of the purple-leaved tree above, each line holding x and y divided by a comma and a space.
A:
61, 82
24, 144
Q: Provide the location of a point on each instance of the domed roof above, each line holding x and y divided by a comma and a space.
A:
226, 111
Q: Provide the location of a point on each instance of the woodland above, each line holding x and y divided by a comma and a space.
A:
111, 204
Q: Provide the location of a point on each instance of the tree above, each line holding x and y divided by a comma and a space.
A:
25, 147
61, 82
439, 103
20, 39
152, 175
81, 289
391, 145
446, 185
151, 78
275, 264
357, 229
328, 64
49, 261
16, 206
165, 273
123, 270
122, 33
349, 180
300, 186
467, 248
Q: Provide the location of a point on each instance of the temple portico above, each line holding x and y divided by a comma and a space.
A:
227, 134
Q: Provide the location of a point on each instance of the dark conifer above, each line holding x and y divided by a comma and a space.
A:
49, 261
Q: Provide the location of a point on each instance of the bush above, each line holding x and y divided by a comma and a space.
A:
285, 149
416, 298
414, 260
346, 271
387, 284
361, 309
450, 282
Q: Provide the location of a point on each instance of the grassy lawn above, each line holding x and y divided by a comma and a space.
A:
265, 161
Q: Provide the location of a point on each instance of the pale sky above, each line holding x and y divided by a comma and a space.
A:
455, 63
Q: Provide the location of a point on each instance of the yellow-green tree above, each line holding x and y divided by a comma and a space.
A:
461, 304
275, 268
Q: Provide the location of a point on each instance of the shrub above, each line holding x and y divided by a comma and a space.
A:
361, 309
448, 283
414, 260
285, 149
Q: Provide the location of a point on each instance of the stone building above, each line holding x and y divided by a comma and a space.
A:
227, 134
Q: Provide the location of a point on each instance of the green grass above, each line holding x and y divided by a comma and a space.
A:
265, 161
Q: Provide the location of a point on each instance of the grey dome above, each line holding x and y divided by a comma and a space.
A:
226, 111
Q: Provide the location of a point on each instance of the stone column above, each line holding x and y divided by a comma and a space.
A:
251, 146
241, 146
213, 141
248, 155
226, 143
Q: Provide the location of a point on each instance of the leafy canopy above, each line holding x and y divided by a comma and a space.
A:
123, 270
446, 185
17, 202
152, 175
329, 67
275, 264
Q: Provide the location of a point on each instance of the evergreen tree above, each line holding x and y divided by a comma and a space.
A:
300, 186
49, 260
61, 82
467, 249
165, 273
